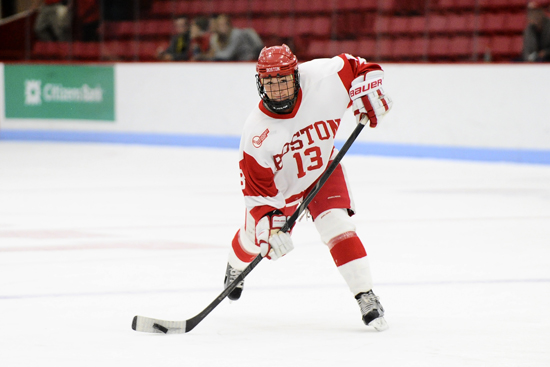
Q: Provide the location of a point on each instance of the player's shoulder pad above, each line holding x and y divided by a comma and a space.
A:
321, 68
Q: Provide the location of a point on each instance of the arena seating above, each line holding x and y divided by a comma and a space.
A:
393, 30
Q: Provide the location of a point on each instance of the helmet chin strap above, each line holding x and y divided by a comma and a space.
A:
280, 106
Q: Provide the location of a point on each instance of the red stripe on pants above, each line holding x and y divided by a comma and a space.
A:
241, 253
346, 247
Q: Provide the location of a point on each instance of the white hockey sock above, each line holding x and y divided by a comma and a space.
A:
357, 275
242, 252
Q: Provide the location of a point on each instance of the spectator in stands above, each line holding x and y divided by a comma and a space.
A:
213, 29
234, 44
536, 37
53, 22
178, 50
200, 39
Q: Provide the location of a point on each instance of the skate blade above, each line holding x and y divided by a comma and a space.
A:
379, 324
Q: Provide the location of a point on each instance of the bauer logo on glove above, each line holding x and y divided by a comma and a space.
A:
365, 88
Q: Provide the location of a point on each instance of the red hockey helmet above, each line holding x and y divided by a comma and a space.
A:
274, 62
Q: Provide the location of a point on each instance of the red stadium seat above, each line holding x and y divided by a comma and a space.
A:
163, 8
517, 44
119, 30
321, 26
349, 47
303, 26
183, 7
241, 22
147, 51
271, 26
399, 25
480, 45
384, 48
119, 50
361, 24
500, 45
492, 5
437, 24
318, 6
239, 7
286, 27
506, 48
52, 50
357, 5
86, 50
388, 6
342, 26
519, 4
339, 47
302, 7
318, 48
156, 28
225, 6
461, 23
460, 47
271, 7
419, 48
465, 5
257, 6
402, 48
382, 25
417, 25
438, 47
515, 22
40, 50
202, 7
492, 23
193, 8
231, 7
444, 5
502, 5
366, 48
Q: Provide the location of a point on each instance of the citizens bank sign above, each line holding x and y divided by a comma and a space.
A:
35, 94
59, 92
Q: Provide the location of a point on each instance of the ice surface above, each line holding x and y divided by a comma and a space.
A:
91, 235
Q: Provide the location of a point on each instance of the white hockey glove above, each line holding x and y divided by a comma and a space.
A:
274, 244
370, 102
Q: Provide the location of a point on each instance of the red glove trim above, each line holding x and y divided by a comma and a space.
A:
370, 111
383, 100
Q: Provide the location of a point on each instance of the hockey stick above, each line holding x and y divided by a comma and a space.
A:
146, 324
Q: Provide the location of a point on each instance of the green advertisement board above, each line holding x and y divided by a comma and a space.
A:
59, 92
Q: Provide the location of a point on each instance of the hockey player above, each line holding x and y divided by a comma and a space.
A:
287, 144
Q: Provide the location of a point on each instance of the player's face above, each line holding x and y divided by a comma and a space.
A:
279, 88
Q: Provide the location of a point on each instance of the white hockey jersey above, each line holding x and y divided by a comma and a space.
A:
281, 156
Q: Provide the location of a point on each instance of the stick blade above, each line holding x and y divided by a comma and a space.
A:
150, 325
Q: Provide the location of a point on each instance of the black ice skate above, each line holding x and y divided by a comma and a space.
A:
230, 275
372, 310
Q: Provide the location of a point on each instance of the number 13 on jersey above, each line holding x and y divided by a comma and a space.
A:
312, 160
